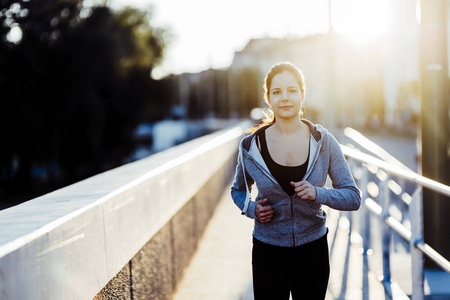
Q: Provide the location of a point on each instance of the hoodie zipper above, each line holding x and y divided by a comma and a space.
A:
291, 198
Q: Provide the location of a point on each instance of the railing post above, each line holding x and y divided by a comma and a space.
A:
385, 230
365, 214
416, 218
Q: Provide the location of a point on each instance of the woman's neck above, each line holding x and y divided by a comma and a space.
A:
289, 126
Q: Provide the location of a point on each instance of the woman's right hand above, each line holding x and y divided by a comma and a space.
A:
263, 212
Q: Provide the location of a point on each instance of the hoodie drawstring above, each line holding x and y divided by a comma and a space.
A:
247, 193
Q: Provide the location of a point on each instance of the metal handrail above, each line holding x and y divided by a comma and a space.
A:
398, 171
413, 236
406, 234
372, 147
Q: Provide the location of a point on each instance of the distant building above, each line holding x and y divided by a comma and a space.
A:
364, 85
200, 95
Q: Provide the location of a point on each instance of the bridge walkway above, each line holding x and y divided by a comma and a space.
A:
221, 267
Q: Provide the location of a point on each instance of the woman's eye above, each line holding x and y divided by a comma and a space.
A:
293, 91
275, 92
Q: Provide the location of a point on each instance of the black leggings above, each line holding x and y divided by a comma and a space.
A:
302, 270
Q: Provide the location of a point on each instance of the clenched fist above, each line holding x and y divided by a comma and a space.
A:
263, 212
304, 190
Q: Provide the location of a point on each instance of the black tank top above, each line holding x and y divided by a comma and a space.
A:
283, 174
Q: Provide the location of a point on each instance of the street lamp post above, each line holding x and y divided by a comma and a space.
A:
434, 128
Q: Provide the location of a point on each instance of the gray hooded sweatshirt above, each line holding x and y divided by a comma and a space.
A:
295, 221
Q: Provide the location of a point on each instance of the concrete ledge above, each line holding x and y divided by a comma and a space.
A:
137, 224
155, 270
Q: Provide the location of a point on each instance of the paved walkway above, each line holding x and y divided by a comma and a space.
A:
221, 267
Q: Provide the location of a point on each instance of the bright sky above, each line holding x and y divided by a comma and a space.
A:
207, 33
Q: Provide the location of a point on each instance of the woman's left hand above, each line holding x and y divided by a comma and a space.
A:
304, 190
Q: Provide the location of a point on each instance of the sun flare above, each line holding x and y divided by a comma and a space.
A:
361, 20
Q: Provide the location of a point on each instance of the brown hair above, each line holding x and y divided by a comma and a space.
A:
269, 118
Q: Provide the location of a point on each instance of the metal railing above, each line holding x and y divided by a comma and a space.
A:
365, 165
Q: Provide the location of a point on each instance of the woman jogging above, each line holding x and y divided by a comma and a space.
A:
289, 159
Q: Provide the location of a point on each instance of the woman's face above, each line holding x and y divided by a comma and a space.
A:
285, 96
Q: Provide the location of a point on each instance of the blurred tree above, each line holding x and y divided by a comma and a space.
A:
73, 83
147, 43
29, 32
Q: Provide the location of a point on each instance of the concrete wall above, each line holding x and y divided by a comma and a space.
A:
124, 234
154, 271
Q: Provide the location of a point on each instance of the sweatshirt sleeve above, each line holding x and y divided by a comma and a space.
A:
344, 195
239, 190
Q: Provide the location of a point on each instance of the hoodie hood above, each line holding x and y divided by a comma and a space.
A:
317, 132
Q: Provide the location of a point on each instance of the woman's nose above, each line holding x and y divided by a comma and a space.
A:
285, 95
